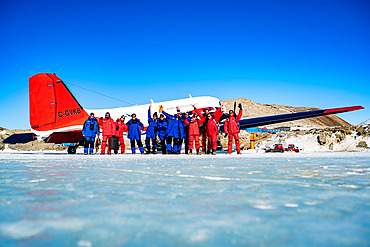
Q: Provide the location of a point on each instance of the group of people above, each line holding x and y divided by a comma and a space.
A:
171, 130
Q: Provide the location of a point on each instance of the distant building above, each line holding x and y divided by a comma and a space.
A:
284, 128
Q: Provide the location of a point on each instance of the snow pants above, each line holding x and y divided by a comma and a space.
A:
212, 141
163, 146
154, 143
89, 145
104, 144
194, 138
140, 145
122, 144
237, 142
176, 143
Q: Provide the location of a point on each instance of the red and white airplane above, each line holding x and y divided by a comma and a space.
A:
57, 117
56, 114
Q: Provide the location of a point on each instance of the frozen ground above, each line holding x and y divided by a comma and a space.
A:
305, 199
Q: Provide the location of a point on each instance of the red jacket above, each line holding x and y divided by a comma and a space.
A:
212, 127
120, 128
108, 126
231, 123
194, 124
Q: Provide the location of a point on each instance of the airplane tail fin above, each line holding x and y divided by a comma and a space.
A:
52, 105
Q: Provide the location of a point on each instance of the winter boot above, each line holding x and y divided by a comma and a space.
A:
133, 150
154, 150
190, 151
204, 151
91, 150
214, 151
198, 153
147, 149
85, 150
141, 150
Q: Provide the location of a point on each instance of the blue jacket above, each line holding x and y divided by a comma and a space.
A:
91, 129
134, 129
162, 127
151, 131
175, 126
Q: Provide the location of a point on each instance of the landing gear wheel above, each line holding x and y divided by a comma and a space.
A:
72, 150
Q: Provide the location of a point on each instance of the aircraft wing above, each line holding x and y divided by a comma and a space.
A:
64, 137
260, 121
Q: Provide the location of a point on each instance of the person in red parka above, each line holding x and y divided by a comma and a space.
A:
194, 124
231, 128
120, 128
205, 131
212, 129
108, 129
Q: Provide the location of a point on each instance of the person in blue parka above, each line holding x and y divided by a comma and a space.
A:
175, 131
151, 132
89, 131
185, 138
134, 133
162, 129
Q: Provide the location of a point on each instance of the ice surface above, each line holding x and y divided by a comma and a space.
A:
254, 199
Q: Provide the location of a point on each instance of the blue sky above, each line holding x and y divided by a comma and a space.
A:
297, 53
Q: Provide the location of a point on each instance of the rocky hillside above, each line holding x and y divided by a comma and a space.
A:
367, 122
253, 110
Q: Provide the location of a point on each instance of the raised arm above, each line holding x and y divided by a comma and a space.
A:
202, 120
217, 115
240, 114
199, 112
225, 127
186, 121
149, 115
166, 114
